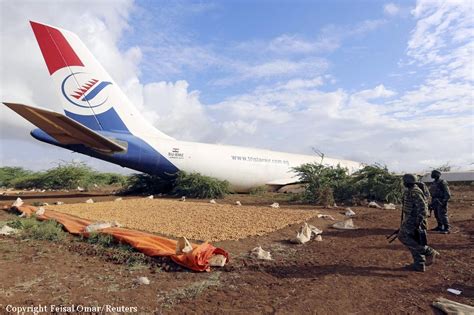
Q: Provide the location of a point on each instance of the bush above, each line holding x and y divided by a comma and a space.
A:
195, 185
375, 182
107, 179
147, 184
64, 176
325, 184
8, 174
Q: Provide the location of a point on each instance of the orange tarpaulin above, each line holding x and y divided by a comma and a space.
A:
147, 243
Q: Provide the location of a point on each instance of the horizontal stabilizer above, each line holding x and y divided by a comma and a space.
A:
64, 129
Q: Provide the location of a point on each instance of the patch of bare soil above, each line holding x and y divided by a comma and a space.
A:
350, 271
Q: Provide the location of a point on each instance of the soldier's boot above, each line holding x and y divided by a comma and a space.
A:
438, 228
430, 259
416, 267
445, 229
419, 267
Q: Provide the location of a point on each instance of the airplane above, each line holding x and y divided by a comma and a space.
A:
101, 122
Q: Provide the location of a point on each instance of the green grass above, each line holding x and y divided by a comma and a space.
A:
105, 240
259, 190
31, 228
190, 292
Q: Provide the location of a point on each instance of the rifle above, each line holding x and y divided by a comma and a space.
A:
392, 236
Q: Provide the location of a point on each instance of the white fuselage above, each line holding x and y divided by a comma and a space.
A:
244, 168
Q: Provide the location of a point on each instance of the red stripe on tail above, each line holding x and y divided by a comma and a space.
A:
55, 49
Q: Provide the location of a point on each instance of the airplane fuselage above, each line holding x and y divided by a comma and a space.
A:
244, 168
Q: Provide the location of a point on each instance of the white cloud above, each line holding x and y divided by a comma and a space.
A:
377, 92
442, 28
174, 110
290, 44
391, 9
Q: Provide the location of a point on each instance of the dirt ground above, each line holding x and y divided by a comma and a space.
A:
349, 272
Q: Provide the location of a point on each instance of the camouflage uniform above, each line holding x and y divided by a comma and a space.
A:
415, 211
424, 189
439, 202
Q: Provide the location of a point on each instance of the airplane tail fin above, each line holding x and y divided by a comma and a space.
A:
88, 93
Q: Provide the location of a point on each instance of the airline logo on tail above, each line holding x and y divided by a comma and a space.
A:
84, 90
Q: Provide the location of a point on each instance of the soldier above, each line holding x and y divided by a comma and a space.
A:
424, 189
412, 232
439, 201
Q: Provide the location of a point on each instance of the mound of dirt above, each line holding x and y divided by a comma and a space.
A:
194, 220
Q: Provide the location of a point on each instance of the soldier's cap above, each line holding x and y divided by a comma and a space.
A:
409, 179
435, 172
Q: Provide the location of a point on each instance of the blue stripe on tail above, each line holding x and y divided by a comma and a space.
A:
107, 121
96, 91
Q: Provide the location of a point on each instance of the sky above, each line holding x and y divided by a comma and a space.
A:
371, 81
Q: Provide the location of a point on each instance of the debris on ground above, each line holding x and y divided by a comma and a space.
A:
6, 230
318, 238
307, 233
89, 201
349, 213
80, 188
212, 201
59, 203
150, 197
142, 281
326, 217
40, 211
275, 205
389, 206
373, 204
17, 203
217, 261
183, 246
45, 204
345, 225
183, 198
100, 226
454, 291
259, 253
238, 203
118, 199
451, 307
